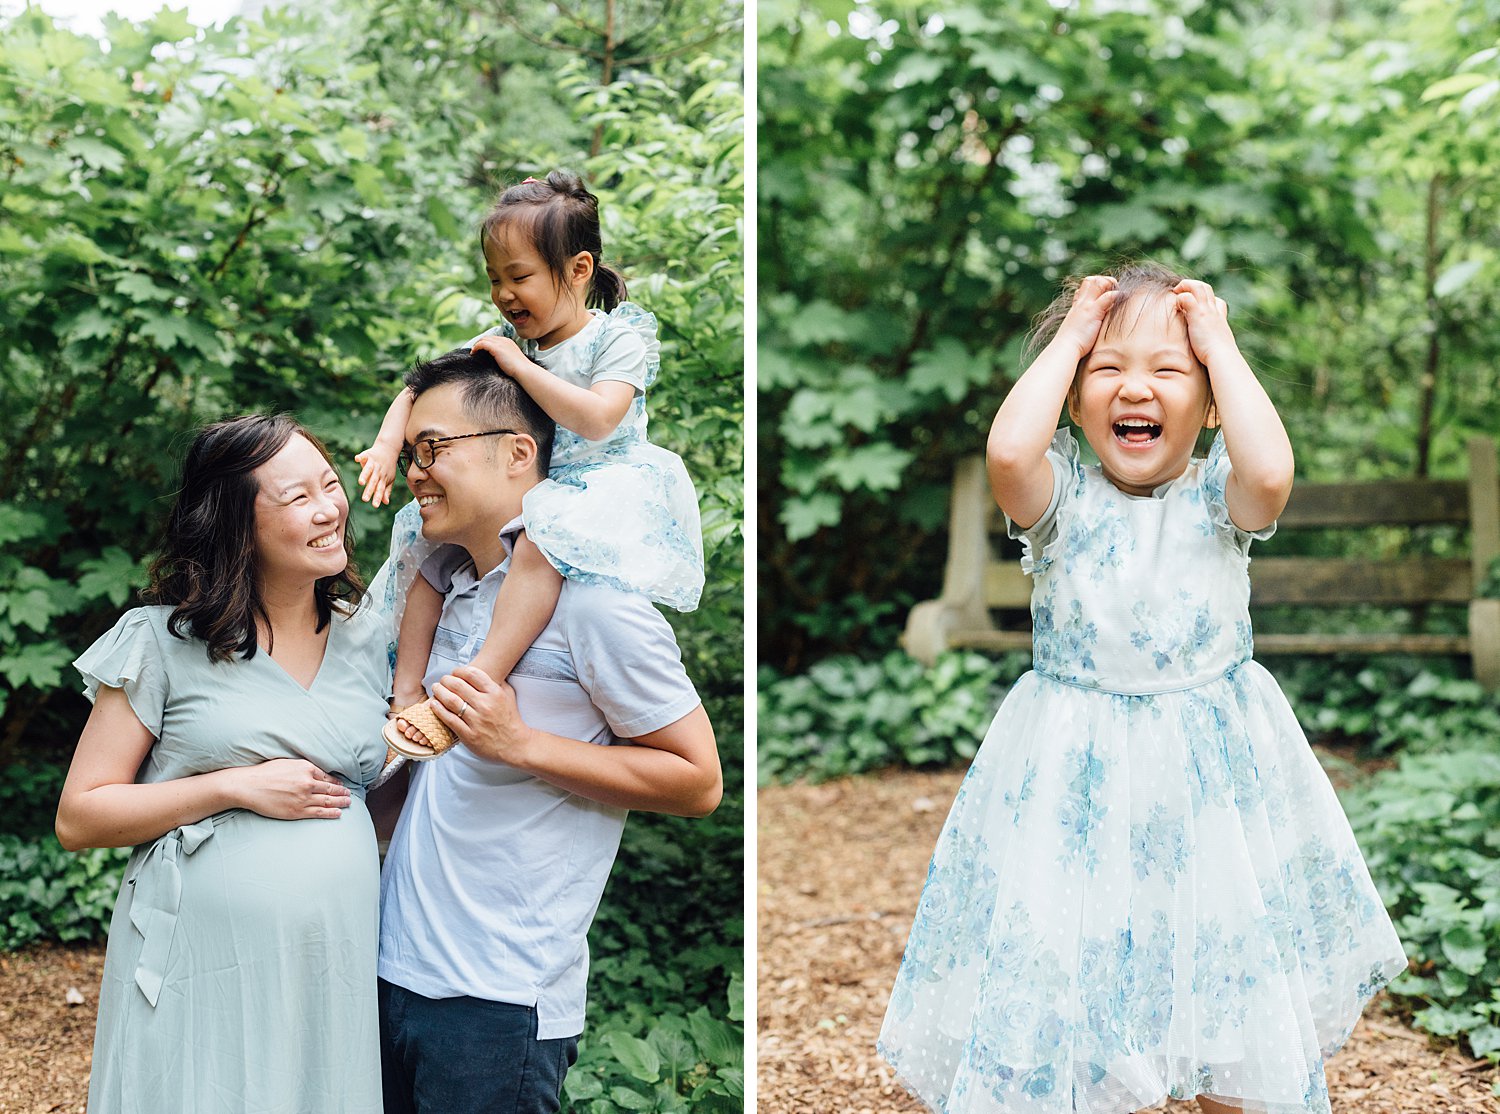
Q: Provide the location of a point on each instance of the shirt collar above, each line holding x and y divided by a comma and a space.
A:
463, 577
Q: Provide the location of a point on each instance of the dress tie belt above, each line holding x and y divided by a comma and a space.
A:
1227, 672
158, 895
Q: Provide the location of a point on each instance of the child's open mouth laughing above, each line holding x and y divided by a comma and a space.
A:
1136, 431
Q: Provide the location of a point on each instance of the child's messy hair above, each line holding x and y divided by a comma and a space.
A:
560, 218
1131, 278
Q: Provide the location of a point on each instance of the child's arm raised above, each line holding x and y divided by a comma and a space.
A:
591, 412
1260, 454
1020, 476
378, 475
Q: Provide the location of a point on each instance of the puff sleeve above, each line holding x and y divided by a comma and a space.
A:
1067, 473
129, 656
1214, 479
627, 349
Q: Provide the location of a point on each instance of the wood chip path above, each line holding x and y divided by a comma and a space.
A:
841, 868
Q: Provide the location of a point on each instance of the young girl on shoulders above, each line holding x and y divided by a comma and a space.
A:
1146, 886
615, 509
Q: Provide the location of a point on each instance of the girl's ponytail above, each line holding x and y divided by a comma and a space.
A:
608, 288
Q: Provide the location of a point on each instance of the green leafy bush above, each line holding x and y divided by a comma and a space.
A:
1430, 832
1386, 703
28, 798
844, 715
684, 1062
47, 893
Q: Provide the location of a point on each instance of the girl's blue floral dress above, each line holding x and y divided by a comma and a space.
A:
1146, 886
618, 511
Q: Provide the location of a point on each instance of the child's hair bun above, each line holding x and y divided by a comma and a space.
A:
570, 184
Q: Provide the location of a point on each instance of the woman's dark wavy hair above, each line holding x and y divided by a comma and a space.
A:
560, 218
207, 568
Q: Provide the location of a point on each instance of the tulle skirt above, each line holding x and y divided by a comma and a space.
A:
1135, 897
627, 517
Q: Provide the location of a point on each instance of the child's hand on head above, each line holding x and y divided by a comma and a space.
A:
1207, 317
378, 474
506, 352
1091, 304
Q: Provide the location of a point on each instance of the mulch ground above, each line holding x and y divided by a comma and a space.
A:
841, 868
49, 998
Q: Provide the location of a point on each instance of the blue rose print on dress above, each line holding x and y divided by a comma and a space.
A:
1146, 854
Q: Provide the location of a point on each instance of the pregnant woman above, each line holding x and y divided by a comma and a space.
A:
235, 724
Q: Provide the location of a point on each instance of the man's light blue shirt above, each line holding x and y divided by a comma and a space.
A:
493, 876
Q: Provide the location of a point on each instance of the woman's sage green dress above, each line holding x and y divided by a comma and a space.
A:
240, 972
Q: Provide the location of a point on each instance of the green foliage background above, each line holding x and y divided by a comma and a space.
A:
929, 173
280, 215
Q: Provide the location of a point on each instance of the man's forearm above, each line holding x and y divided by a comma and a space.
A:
627, 775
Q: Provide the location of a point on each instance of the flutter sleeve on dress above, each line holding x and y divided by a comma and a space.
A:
1215, 477
627, 348
128, 656
1067, 472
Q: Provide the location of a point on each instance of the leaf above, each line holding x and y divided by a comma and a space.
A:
736, 997
947, 367
1455, 278
95, 154
29, 602
635, 1055
165, 331
139, 288
918, 69
442, 219
172, 25
804, 517
579, 1086
1453, 86
873, 467
678, 1056
17, 523
91, 324
717, 1042
630, 1100
820, 322
39, 665
1464, 948
353, 142
1129, 222
113, 574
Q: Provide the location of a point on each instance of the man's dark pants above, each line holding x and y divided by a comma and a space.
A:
467, 1056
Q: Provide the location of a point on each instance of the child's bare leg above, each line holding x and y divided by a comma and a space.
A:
523, 608
424, 606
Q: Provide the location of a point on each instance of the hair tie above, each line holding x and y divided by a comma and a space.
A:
531, 182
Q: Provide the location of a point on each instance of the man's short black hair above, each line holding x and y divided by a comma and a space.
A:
493, 399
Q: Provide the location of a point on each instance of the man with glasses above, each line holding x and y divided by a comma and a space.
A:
504, 844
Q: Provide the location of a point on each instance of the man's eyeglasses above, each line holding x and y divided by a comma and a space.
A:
424, 452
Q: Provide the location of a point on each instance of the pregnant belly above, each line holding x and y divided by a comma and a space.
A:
287, 870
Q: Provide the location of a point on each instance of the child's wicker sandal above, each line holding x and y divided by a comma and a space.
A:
437, 738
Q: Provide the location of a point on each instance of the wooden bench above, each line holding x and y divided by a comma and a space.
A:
986, 598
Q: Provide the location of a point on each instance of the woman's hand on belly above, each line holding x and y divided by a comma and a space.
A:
289, 789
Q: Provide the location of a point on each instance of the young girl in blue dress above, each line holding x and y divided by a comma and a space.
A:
1146, 886
615, 509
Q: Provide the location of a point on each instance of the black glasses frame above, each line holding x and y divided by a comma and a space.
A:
424, 452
